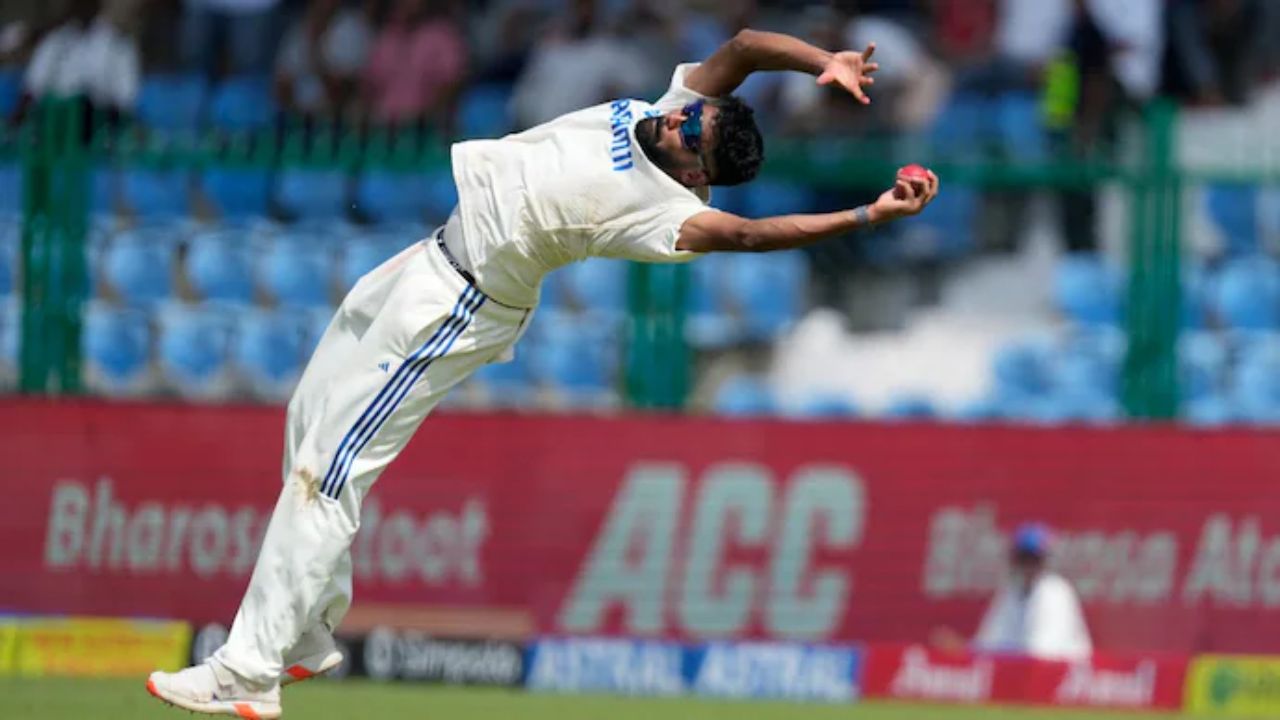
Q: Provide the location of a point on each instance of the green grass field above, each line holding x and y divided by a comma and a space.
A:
57, 699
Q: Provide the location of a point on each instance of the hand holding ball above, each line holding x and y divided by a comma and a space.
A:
915, 174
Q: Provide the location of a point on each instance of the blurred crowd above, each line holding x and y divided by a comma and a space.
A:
404, 61
998, 82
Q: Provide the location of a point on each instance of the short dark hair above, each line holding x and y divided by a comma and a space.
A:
739, 147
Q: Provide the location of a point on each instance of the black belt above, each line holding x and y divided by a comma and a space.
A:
444, 248
466, 275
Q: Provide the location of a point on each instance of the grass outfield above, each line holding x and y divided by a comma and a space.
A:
59, 699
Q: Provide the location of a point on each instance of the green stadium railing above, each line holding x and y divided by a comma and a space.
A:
57, 154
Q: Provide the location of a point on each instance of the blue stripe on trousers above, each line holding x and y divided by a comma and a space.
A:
378, 406
419, 370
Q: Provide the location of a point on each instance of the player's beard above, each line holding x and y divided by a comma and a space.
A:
648, 131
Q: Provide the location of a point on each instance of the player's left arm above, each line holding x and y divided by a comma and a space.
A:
716, 231
755, 50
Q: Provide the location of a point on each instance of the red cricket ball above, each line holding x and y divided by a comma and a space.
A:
915, 174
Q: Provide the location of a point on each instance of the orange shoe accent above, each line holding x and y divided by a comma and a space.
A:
151, 688
297, 672
245, 711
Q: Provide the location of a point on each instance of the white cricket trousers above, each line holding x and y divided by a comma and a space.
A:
406, 333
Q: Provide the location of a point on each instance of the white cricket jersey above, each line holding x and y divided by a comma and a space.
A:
1045, 623
575, 187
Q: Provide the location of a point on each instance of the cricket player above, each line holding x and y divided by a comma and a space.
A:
626, 179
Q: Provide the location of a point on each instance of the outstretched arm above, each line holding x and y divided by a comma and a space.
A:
715, 231
753, 50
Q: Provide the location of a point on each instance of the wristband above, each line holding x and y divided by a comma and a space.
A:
862, 214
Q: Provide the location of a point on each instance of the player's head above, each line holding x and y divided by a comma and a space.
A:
709, 142
1029, 552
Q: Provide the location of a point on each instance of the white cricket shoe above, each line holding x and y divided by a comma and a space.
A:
314, 654
214, 690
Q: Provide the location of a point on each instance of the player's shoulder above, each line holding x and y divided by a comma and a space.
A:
1055, 585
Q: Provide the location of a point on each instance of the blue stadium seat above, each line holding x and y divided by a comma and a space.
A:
596, 284
156, 193
507, 384
10, 335
824, 406
116, 344
766, 197
484, 111
1086, 291
387, 195
315, 321
194, 347
1202, 364
10, 189
1021, 128
743, 396
956, 132
363, 253
910, 406
243, 103
574, 353
10, 253
238, 192
1234, 209
296, 271
1074, 407
1209, 411
104, 191
769, 290
313, 194
1196, 288
708, 323
268, 351
553, 296
981, 410
10, 92
439, 195
1021, 369
946, 229
172, 103
138, 264
1246, 294
220, 267
1255, 388
1079, 372
731, 198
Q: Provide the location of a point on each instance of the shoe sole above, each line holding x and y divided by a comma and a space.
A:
298, 672
244, 710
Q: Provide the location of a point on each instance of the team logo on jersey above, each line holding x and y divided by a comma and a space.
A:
384, 366
620, 145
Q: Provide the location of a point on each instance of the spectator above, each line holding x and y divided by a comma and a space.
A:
92, 55
321, 59
963, 29
705, 25
506, 39
1028, 35
576, 67
1115, 62
911, 84
1036, 613
229, 36
809, 109
1216, 51
417, 65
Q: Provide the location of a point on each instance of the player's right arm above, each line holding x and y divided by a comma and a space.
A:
755, 50
715, 231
